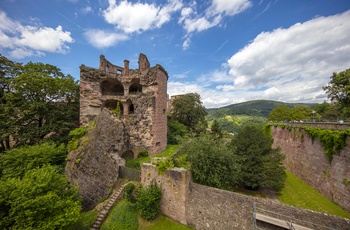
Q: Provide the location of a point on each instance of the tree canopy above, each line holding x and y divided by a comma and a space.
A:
189, 110
37, 101
261, 165
42, 199
297, 113
338, 89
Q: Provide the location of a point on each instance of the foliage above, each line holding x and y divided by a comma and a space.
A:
14, 163
261, 165
148, 201
122, 216
297, 193
75, 135
338, 89
176, 131
163, 165
117, 111
284, 113
212, 162
143, 153
38, 101
42, 199
129, 189
188, 109
333, 141
216, 129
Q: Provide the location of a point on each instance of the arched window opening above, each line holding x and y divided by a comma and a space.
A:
119, 71
112, 88
115, 106
131, 109
128, 154
135, 89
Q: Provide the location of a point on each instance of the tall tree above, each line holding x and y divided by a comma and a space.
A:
280, 113
261, 165
338, 89
41, 102
188, 109
216, 128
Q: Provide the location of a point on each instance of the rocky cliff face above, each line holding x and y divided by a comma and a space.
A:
306, 159
94, 166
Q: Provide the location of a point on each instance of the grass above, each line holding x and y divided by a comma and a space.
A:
85, 221
297, 193
160, 223
122, 216
125, 216
135, 163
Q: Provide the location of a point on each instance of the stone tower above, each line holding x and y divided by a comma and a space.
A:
140, 94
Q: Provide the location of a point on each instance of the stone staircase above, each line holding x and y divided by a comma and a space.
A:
114, 198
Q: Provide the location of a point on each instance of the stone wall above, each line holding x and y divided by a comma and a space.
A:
306, 159
203, 207
174, 184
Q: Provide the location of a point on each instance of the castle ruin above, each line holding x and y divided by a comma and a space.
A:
139, 94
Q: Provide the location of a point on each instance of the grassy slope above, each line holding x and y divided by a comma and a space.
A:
297, 193
124, 216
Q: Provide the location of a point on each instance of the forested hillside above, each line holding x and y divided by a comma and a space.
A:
233, 116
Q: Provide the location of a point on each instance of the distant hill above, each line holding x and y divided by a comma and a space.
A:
251, 108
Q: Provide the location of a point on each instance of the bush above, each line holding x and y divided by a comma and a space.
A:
129, 192
163, 165
143, 153
75, 135
148, 201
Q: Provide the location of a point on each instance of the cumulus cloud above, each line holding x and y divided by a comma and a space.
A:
24, 40
103, 39
194, 22
138, 17
298, 60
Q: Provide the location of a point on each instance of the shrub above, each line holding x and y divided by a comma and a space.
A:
148, 201
129, 195
143, 153
75, 135
163, 165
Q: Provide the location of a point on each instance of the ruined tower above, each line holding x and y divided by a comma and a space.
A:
139, 94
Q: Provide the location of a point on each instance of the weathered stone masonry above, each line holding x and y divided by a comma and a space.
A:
203, 207
141, 95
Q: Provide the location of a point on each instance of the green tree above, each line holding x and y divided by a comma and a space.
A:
261, 165
189, 110
280, 113
14, 163
42, 103
212, 162
176, 131
301, 113
338, 89
216, 129
42, 199
8, 70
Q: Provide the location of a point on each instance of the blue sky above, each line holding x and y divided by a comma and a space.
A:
228, 51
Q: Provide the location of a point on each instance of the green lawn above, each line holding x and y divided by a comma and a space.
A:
297, 193
135, 163
125, 216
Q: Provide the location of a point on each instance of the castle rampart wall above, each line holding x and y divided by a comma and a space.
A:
203, 207
307, 159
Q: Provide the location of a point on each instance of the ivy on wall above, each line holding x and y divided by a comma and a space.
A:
333, 141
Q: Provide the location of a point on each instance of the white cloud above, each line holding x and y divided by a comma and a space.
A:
194, 22
103, 39
86, 10
298, 60
22, 41
229, 7
137, 17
